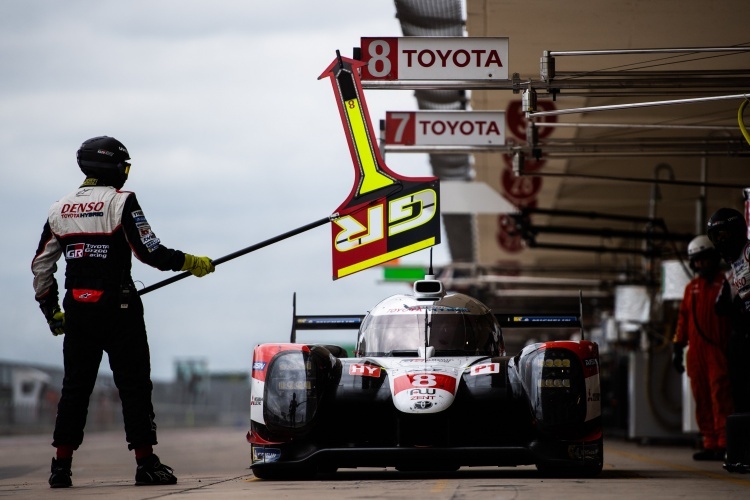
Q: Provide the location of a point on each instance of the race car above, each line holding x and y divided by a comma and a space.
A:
430, 388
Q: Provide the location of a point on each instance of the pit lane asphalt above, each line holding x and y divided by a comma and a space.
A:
213, 463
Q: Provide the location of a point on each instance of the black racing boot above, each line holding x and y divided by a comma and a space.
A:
61, 473
151, 471
714, 454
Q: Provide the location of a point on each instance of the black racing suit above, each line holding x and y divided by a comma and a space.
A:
734, 301
97, 228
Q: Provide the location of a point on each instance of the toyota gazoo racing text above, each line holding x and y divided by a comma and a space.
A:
430, 388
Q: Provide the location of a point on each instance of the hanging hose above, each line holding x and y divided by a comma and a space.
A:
741, 122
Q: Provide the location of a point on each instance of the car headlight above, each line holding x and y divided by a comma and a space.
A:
295, 383
554, 381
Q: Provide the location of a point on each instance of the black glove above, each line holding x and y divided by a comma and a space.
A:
677, 358
54, 316
56, 322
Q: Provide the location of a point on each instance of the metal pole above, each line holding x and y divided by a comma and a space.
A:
684, 50
632, 154
242, 252
552, 150
676, 74
593, 215
606, 232
439, 84
590, 248
672, 182
635, 105
700, 203
635, 125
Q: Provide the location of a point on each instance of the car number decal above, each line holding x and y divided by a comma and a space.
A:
424, 380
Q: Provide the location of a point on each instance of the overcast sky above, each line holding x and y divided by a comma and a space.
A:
233, 141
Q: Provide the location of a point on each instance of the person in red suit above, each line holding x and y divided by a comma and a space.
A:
707, 334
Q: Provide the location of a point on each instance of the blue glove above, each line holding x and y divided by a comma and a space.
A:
56, 322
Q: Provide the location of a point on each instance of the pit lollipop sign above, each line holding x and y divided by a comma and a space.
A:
386, 215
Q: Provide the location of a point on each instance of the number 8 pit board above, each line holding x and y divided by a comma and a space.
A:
435, 58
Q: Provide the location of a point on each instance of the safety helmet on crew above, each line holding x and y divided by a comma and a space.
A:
701, 249
104, 158
698, 245
727, 230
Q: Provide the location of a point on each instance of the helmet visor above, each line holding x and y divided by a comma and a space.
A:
728, 242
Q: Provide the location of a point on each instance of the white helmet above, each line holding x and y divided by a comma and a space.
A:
699, 244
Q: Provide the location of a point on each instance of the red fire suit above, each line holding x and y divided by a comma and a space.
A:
707, 335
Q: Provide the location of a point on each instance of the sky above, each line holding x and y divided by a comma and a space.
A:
233, 141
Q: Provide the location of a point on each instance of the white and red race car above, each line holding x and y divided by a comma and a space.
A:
430, 388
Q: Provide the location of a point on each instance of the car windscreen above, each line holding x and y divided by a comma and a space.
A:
450, 333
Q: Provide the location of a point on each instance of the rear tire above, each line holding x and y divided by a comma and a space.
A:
587, 469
